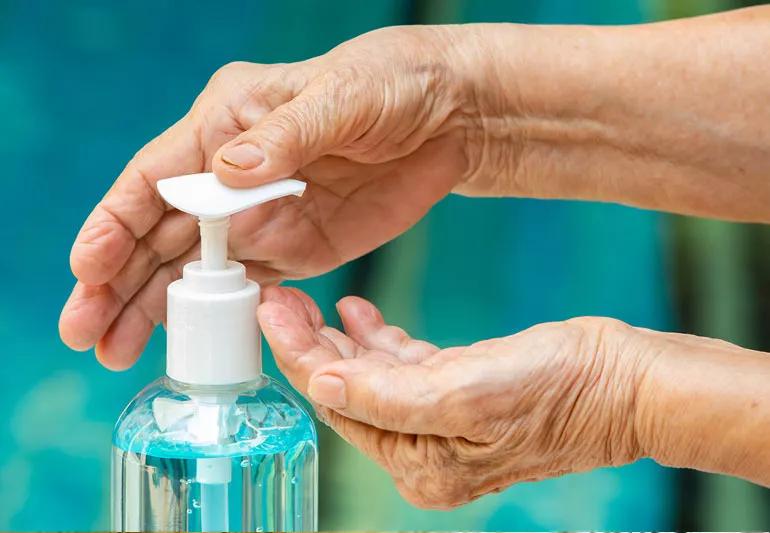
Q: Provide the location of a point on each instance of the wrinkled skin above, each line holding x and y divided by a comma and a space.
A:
384, 126
388, 140
380, 137
452, 425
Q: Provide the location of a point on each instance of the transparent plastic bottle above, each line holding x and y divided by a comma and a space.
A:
215, 445
214, 458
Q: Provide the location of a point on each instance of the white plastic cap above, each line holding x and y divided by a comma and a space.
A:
212, 330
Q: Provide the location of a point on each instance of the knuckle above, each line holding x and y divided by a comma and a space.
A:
269, 85
596, 333
414, 499
592, 324
342, 79
351, 86
227, 72
287, 133
396, 336
432, 477
175, 269
299, 118
151, 258
434, 496
227, 85
422, 501
303, 362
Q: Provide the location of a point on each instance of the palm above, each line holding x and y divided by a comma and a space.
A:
451, 425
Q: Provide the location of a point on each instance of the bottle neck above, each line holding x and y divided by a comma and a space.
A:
198, 390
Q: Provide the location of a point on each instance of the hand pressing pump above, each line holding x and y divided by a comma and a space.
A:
215, 445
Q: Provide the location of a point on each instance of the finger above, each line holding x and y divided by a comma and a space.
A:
332, 338
174, 235
316, 122
346, 346
364, 324
77, 327
132, 206
294, 341
298, 301
400, 398
124, 341
90, 310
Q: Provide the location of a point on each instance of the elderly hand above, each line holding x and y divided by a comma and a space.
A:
451, 425
379, 127
386, 124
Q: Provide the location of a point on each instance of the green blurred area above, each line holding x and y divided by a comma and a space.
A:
83, 84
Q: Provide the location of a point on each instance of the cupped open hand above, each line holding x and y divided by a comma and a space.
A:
450, 425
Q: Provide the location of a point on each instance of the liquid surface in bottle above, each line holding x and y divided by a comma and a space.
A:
214, 461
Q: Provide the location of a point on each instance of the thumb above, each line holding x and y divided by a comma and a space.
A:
404, 399
316, 122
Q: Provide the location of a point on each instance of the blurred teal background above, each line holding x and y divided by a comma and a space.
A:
84, 84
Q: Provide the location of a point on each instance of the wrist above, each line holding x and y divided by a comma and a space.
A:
618, 360
550, 111
536, 95
489, 112
704, 404
516, 105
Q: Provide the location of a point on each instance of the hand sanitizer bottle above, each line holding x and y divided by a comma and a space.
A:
215, 445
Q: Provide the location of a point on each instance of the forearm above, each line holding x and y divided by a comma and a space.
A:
705, 404
669, 116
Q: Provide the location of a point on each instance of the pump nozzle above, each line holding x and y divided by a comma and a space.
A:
204, 196
213, 337
214, 243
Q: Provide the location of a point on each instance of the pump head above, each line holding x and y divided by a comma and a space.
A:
212, 331
204, 196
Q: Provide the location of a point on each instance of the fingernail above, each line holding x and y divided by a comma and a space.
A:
329, 391
243, 156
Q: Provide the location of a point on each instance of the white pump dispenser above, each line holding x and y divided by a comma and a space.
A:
196, 450
213, 336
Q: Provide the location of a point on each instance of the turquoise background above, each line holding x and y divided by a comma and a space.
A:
84, 84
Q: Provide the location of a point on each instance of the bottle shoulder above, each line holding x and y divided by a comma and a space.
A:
172, 419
